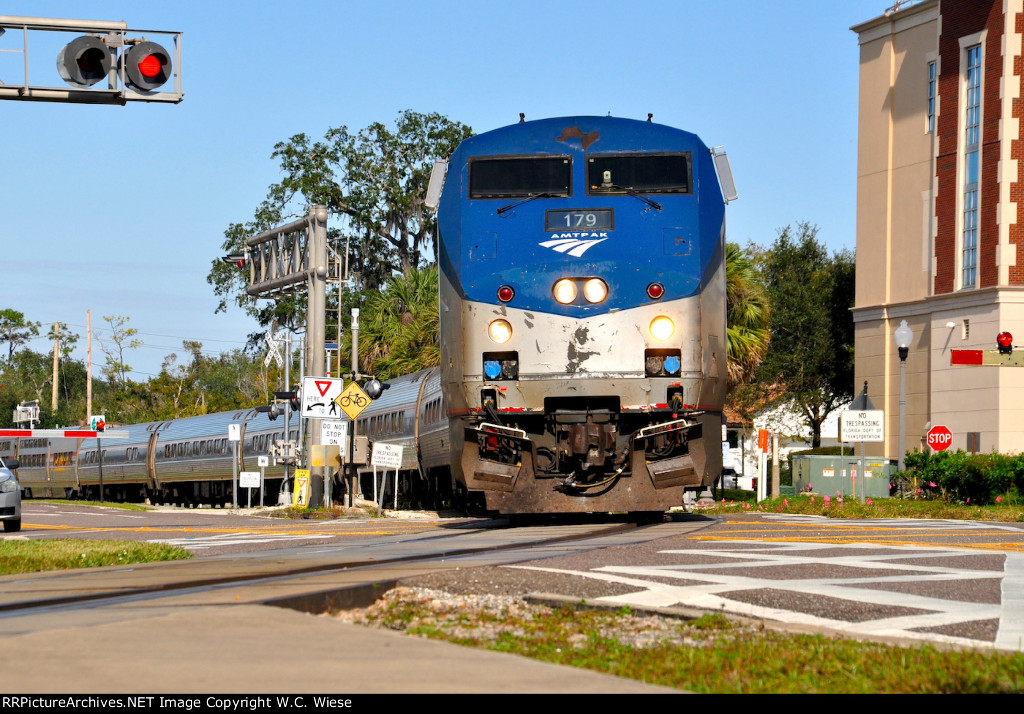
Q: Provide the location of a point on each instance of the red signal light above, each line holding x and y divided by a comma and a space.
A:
1004, 340
147, 66
150, 66
655, 291
505, 293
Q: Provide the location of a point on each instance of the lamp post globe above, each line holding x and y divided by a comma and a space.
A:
904, 336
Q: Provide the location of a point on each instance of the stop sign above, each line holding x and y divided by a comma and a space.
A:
939, 437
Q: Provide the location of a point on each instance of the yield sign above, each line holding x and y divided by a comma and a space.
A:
318, 395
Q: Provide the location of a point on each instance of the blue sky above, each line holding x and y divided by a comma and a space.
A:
120, 210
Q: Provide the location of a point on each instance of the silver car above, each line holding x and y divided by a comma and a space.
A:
10, 496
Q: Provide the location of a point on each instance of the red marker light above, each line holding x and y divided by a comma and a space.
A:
1005, 342
655, 290
150, 66
505, 293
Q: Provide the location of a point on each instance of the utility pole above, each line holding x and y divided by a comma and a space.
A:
56, 351
88, 368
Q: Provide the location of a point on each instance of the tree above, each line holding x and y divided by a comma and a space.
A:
15, 330
202, 384
121, 339
398, 332
810, 355
67, 339
748, 315
376, 179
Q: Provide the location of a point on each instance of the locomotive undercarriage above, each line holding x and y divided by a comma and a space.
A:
585, 460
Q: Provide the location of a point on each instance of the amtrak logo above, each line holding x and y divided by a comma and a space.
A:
575, 244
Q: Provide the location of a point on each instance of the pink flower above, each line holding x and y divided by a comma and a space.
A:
968, 500
828, 500
840, 499
785, 502
920, 491
839, 493
868, 501
812, 499
999, 499
723, 500
932, 484
778, 509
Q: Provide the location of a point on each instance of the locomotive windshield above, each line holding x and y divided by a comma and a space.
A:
642, 173
520, 177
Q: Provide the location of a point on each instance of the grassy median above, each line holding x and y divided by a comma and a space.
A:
712, 654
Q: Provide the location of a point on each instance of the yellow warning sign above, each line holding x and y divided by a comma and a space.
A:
353, 400
300, 493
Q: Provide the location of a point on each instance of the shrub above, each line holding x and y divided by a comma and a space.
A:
977, 479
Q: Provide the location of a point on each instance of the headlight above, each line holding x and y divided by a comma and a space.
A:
565, 291
662, 328
8, 484
595, 290
500, 331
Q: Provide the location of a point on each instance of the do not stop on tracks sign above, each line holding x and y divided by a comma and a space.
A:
939, 437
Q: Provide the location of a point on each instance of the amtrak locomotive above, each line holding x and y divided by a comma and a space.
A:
583, 315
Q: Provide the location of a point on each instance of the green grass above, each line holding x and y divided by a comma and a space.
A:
848, 507
321, 513
32, 556
708, 655
103, 504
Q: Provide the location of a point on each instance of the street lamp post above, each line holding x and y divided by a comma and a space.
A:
904, 336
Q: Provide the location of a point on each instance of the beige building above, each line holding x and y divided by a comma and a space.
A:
940, 215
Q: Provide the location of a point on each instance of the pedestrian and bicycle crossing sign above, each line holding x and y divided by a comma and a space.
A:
353, 400
318, 395
324, 398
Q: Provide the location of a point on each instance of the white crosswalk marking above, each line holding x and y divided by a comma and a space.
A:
715, 582
217, 541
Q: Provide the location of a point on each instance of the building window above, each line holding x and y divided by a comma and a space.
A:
972, 151
931, 96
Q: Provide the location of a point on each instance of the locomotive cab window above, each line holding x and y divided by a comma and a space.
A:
520, 177
640, 173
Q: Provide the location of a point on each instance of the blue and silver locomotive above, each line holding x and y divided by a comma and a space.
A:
583, 315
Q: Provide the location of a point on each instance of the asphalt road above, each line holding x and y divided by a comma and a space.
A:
952, 582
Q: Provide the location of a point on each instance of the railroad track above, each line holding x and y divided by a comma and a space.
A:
313, 577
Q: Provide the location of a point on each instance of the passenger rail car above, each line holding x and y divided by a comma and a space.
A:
183, 461
583, 317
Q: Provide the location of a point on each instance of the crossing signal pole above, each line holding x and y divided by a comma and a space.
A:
135, 67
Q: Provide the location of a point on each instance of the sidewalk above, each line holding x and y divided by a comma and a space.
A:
253, 649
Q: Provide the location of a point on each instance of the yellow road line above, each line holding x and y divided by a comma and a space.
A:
246, 531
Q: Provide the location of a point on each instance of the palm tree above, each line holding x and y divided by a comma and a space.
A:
399, 331
748, 315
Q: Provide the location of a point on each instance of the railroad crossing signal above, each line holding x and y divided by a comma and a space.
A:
147, 66
135, 68
84, 61
353, 400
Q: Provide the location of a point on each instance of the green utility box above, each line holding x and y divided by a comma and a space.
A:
829, 475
